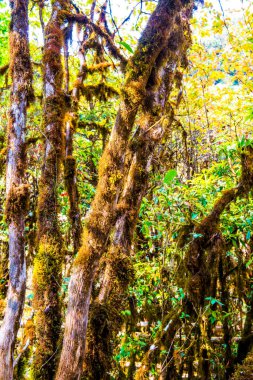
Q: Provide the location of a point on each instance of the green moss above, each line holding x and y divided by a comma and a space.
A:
244, 371
46, 285
46, 263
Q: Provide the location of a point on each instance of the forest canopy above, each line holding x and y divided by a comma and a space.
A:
126, 176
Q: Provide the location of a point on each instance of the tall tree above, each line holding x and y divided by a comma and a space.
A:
103, 211
16, 186
155, 121
49, 259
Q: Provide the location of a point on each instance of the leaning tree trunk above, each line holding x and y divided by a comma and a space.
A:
156, 120
16, 187
102, 215
49, 259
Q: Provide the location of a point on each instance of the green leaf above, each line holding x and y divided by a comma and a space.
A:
126, 312
196, 235
169, 176
126, 46
248, 235
194, 215
249, 263
213, 301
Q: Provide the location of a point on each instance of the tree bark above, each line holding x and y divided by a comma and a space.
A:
49, 258
155, 120
102, 214
16, 187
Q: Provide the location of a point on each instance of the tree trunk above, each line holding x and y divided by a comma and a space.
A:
70, 164
49, 259
156, 119
102, 215
16, 187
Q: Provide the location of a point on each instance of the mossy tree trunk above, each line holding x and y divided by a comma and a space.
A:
103, 211
96, 43
16, 187
70, 164
155, 121
71, 179
49, 258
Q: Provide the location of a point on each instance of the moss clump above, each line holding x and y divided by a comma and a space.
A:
20, 65
100, 67
17, 200
86, 258
46, 285
122, 267
134, 92
46, 264
244, 371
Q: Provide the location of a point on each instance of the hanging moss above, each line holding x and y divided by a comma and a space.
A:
98, 68
100, 91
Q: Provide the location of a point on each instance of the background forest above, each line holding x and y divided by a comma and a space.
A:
167, 214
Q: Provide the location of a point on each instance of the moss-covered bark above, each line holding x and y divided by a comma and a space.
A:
16, 188
103, 211
100, 91
49, 259
153, 126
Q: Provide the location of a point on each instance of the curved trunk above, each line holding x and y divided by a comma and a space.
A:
16, 188
103, 212
156, 120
